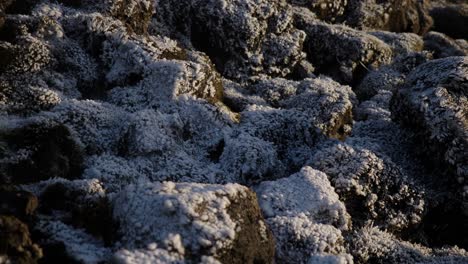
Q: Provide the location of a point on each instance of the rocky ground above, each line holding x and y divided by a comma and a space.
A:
233, 131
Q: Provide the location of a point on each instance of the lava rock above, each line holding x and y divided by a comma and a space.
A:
241, 37
395, 15
449, 18
38, 152
20, 204
338, 51
443, 46
433, 104
372, 188
195, 221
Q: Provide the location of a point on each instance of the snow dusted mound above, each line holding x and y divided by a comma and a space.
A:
233, 131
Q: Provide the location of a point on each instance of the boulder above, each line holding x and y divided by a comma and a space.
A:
433, 104
194, 222
343, 53
443, 46
241, 37
373, 189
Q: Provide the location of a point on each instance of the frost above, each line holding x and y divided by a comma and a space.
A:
80, 245
307, 192
298, 238
183, 217
365, 181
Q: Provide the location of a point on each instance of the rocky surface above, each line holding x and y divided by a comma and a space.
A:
241, 131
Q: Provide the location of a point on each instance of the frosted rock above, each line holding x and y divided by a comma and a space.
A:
367, 184
193, 218
433, 104
307, 192
443, 46
257, 36
339, 51
250, 159
372, 244
395, 15
298, 239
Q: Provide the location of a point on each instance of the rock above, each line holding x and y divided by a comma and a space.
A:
31, 55
84, 201
443, 46
241, 37
372, 245
3, 6
396, 15
136, 15
66, 243
305, 215
21, 96
328, 103
401, 43
15, 241
327, 10
448, 16
20, 204
293, 140
433, 104
307, 192
298, 239
338, 51
250, 160
372, 188
194, 221
38, 152
389, 77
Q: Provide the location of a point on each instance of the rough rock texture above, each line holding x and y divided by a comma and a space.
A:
395, 15
127, 127
443, 46
307, 192
195, 221
375, 246
38, 152
367, 184
241, 37
389, 77
433, 103
340, 51
305, 215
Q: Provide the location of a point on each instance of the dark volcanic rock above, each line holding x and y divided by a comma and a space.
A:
18, 203
38, 152
433, 104
395, 15
338, 51
443, 46
451, 19
241, 37
183, 222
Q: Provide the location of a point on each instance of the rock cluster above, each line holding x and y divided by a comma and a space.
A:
240, 131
